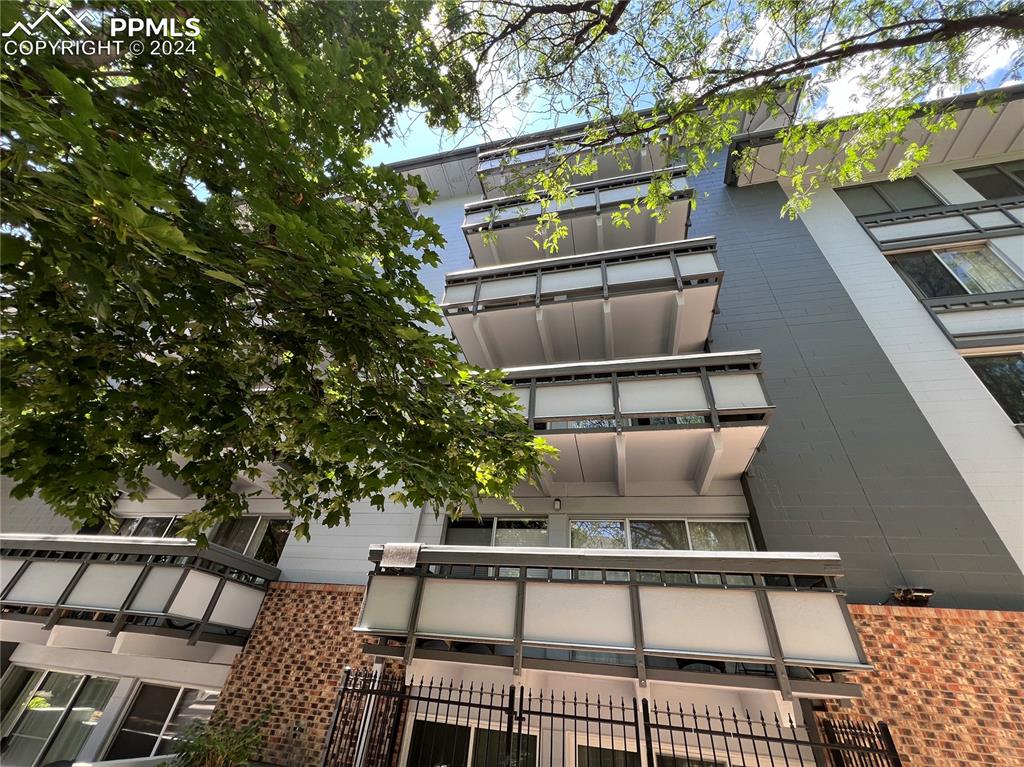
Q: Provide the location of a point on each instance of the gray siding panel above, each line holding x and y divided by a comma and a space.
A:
849, 463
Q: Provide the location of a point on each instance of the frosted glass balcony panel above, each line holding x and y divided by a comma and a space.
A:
714, 621
812, 627
104, 586
43, 582
574, 400
388, 604
737, 391
578, 614
474, 610
237, 606
661, 395
194, 595
156, 589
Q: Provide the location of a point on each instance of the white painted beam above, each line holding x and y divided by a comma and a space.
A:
609, 334
714, 449
545, 337
675, 330
620, 462
485, 348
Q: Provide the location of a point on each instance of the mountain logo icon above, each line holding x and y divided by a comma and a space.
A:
70, 22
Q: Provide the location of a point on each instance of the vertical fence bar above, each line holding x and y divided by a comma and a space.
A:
329, 740
648, 743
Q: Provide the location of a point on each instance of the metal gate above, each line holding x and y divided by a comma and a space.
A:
381, 721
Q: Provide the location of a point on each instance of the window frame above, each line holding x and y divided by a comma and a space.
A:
686, 520
80, 685
989, 353
494, 526
130, 701
877, 187
252, 544
998, 166
893, 257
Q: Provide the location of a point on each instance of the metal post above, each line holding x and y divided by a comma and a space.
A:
648, 741
329, 740
510, 715
890, 745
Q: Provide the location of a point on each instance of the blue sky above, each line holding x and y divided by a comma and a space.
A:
415, 139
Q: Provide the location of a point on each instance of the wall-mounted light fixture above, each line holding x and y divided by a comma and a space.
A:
912, 595
558, 504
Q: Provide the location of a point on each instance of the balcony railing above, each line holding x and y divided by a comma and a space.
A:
499, 231
167, 584
742, 611
503, 167
652, 299
990, 319
942, 224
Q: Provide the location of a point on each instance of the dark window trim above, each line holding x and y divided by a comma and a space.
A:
877, 187
999, 166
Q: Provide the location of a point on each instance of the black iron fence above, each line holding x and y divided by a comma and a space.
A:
381, 721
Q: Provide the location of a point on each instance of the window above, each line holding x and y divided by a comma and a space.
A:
661, 534
996, 181
597, 756
151, 527
437, 744
598, 534
157, 718
496, 531
887, 197
1003, 376
48, 716
956, 271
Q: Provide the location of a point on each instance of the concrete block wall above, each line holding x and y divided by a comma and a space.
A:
850, 463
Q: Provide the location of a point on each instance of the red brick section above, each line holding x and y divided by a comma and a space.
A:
293, 662
950, 683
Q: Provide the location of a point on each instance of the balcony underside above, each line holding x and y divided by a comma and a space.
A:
639, 302
503, 231
982, 131
647, 426
651, 462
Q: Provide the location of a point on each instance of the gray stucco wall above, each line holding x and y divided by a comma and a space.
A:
849, 463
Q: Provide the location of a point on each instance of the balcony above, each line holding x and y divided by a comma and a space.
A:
702, 617
636, 302
167, 586
502, 230
943, 224
504, 167
983, 320
654, 426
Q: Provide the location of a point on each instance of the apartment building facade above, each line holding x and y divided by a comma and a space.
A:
786, 524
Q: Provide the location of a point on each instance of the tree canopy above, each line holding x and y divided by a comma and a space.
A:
680, 74
203, 273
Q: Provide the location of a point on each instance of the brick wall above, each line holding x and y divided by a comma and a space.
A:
293, 662
950, 683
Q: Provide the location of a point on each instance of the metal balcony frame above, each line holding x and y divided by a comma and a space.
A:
583, 187
438, 561
953, 304
965, 210
602, 259
184, 554
701, 366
